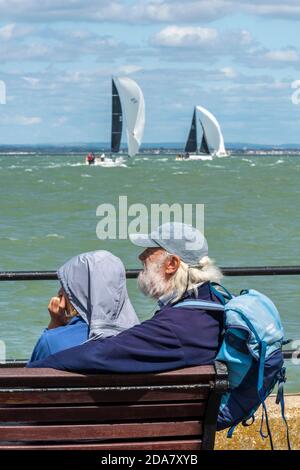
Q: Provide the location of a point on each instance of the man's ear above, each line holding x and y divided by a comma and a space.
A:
172, 264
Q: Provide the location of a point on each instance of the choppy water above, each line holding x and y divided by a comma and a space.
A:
48, 214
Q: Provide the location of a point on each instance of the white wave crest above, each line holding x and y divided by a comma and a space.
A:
54, 235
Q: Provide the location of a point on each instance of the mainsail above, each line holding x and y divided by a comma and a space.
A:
133, 106
212, 132
204, 145
117, 121
191, 143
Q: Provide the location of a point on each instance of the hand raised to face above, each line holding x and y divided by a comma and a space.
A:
57, 310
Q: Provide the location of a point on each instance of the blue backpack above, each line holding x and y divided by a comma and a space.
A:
252, 350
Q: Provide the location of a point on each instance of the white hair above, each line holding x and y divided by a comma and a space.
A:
191, 277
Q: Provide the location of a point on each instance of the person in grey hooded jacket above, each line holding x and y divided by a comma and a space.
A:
92, 303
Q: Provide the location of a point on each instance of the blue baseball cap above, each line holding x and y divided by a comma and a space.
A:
176, 238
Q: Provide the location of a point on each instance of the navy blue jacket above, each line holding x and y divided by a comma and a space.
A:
173, 338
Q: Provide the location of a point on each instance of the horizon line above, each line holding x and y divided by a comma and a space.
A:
146, 144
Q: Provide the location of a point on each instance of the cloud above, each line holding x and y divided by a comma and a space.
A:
60, 121
142, 11
188, 43
283, 55
177, 36
209, 39
35, 51
13, 31
262, 57
20, 120
57, 45
28, 120
32, 82
228, 72
6, 32
170, 11
129, 69
61, 10
202, 10
148, 11
289, 9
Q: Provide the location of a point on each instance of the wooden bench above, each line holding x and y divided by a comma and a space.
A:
45, 409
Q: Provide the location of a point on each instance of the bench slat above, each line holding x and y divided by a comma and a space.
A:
101, 413
188, 444
94, 432
22, 377
108, 396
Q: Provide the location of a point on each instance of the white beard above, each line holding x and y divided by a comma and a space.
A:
152, 282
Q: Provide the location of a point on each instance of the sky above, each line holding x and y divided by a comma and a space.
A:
238, 58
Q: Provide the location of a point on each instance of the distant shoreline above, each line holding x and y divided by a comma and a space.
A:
155, 150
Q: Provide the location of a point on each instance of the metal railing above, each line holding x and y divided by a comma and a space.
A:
133, 273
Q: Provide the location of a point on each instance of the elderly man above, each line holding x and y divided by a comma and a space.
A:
176, 269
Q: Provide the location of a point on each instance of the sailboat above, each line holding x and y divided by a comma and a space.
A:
212, 143
128, 106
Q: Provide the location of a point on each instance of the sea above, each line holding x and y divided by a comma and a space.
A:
49, 214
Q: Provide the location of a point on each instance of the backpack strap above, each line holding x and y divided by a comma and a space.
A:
260, 382
217, 294
260, 389
280, 399
222, 294
222, 291
201, 305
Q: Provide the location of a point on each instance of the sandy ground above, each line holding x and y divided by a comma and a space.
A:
248, 438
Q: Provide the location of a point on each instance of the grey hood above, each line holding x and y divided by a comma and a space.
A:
95, 284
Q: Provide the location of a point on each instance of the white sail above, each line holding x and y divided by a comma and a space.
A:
213, 133
133, 108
